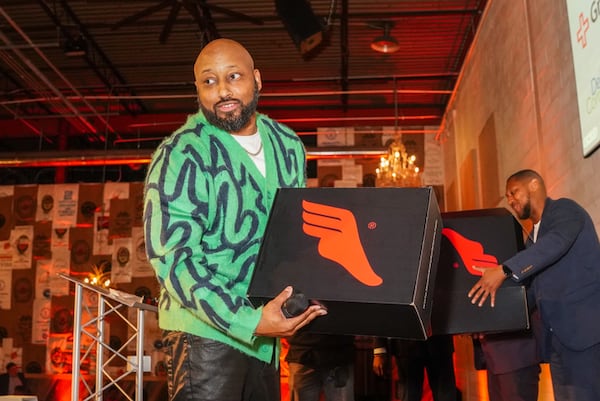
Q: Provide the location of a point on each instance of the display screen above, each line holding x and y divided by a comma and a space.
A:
584, 25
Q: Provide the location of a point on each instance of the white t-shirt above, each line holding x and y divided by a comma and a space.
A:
536, 228
253, 146
13, 383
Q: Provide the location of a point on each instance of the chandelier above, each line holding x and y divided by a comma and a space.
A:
397, 168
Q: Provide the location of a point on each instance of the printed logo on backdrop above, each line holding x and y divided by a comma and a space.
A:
22, 244
24, 326
60, 239
25, 207
81, 252
87, 209
584, 25
67, 205
41, 246
122, 224
123, 256
45, 313
47, 203
23, 290
42, 314
60, 232
62, 321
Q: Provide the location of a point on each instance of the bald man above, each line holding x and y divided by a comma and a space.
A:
208, 193
562, 261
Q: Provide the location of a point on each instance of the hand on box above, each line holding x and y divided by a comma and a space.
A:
491, 279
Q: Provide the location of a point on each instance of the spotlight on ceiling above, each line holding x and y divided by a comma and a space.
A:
385, 43
305, 28
75, 46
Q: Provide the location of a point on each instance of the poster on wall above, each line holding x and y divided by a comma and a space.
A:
5, 289
65, 214
45, 206
584, 25
40, 325
21, 239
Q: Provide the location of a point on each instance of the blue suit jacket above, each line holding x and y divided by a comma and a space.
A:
564, 266
4, 381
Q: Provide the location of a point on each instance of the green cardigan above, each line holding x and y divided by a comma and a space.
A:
206, 207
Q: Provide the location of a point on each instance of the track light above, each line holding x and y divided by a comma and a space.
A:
385, 43
75, 46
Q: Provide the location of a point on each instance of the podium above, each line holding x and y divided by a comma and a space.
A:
110, 302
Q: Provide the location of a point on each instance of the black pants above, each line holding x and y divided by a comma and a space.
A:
518, 385
200, 369
434, 356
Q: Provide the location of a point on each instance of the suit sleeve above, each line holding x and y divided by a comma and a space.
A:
562, 223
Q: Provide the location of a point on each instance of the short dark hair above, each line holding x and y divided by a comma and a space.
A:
526, 174
10, 365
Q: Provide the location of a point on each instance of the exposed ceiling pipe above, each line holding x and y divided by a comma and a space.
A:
106, 72
140, 139
432, 75
38, 45
265, 94
41, 76
370, 118
47, 82
36, 130
53, 116
131, 157
291, 81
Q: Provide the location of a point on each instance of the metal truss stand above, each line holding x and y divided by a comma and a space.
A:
109, 302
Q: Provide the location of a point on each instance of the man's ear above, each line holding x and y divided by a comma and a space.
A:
533, 185
257, 79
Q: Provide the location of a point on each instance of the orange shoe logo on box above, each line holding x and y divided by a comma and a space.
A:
339, 240
470, 252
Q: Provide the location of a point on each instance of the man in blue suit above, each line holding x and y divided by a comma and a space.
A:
563, 264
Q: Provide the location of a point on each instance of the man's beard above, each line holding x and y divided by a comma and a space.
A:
231, 122
526, 212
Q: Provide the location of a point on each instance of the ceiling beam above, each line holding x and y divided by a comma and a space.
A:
95, 57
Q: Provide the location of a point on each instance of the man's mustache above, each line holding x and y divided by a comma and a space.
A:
228, 100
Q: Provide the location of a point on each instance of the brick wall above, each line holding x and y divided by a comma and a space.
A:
520, 72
